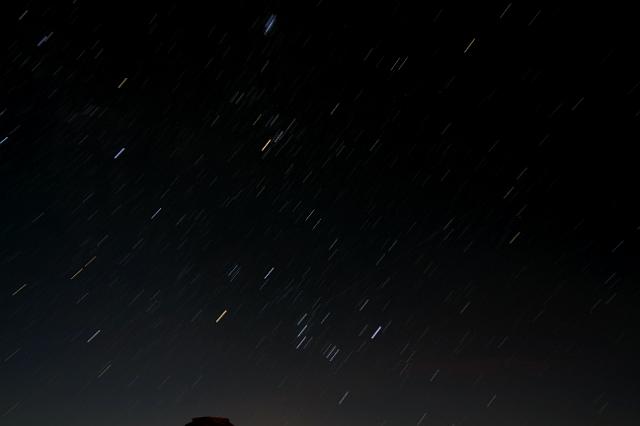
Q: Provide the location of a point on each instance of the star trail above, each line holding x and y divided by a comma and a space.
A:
318, 213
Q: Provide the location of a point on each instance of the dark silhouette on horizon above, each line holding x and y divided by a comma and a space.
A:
209, 421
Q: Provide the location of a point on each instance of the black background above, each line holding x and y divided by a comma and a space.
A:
475, 201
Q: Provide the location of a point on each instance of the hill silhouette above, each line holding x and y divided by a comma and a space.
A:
209, 421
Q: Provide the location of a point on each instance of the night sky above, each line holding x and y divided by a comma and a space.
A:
319, 213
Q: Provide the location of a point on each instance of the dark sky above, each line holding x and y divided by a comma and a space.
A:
310, 213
